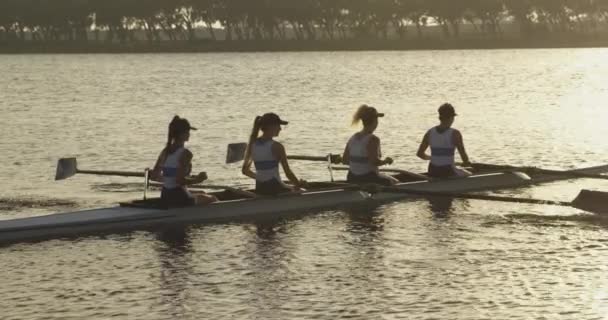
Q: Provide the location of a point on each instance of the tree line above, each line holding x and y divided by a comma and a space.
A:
120, 20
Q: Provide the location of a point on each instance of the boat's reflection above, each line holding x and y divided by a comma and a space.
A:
268, 257
365, 219
174, 250
177, 240
441, 207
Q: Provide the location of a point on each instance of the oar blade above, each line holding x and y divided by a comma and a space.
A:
592, 201
66, 167
236, 152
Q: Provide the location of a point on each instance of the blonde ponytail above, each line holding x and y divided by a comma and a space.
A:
358, 114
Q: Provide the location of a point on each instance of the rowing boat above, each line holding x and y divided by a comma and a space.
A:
142, 214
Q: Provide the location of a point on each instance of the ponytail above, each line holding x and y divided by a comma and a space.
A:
255, 131
171, 134
357, 117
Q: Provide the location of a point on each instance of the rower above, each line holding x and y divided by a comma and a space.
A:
266, 154
444, 140
362, 152
173, 168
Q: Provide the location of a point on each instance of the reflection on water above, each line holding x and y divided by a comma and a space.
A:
433, 258
268, 257
441, 207
14, 204
575, 220
176, 268
365, 220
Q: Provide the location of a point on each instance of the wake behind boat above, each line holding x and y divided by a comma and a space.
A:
232, 206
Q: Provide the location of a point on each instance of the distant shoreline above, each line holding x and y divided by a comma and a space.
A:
557, 41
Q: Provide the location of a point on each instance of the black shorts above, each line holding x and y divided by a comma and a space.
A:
441, 171
270, 188
177, 197
372, 177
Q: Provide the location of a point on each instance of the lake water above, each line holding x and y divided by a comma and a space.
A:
406, 260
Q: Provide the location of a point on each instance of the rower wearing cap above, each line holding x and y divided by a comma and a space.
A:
266, 154
362, 152
444, 140
173, 168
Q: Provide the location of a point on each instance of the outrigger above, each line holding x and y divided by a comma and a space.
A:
149, 212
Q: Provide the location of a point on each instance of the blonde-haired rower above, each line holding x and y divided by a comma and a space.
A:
362, 152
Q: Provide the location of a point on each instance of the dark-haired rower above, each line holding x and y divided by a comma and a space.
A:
444, 140
266, 155
173, 168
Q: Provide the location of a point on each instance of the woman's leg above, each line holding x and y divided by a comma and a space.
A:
271, 188
386, 180
203, 199
199, 198
462, 173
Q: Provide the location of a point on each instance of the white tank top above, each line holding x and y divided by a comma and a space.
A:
442, 147
266, 165
358, 161
170, 169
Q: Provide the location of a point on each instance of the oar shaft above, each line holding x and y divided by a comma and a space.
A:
570, 173
113, 173
474, 196
565, 173
405, 172
333, 158
200, 186
307, 158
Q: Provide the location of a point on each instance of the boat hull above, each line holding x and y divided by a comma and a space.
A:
118, 218
121, 218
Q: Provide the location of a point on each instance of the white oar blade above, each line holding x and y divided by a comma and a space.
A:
66, 167
592, 201
236, 152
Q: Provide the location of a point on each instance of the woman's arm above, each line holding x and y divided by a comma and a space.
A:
422, 149
247, 162
458, 141
373, 153
185, 163
156, 174
279, 152
346, 155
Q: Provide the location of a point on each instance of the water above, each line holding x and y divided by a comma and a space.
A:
407, 260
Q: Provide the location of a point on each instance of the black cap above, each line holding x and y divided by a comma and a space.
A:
447, 110
189, 126
269, 119
369, 113
181, 125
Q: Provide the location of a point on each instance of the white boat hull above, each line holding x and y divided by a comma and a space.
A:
121, 218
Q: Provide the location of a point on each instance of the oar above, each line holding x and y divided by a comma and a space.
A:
566, 173
236, 153
400, 171
201, 186
587, 200
68, 167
